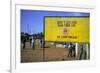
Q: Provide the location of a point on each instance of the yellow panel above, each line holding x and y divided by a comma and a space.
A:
67, 29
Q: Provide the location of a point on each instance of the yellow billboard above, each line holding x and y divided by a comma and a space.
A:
67, 29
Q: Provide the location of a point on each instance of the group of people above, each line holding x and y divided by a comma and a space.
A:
81, 51
71, 47
32, 42
71, 50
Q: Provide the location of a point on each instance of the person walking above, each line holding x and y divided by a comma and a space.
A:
41, 43
24, 41
30, 40
33, 43
73, 50
70, 50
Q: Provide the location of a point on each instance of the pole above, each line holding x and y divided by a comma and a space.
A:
87, 50
76, 49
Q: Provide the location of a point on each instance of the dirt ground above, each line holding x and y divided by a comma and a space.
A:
49, 53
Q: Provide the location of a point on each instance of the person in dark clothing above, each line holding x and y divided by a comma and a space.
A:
24, 41
30, 41
41, 43
73, 50
70, 50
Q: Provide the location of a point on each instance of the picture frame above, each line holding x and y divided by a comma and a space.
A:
17, 66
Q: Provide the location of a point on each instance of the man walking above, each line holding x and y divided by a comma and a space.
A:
24, 41
33, 43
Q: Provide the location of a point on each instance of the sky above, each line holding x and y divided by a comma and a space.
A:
32, 21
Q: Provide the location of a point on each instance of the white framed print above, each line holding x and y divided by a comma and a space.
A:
51, 37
